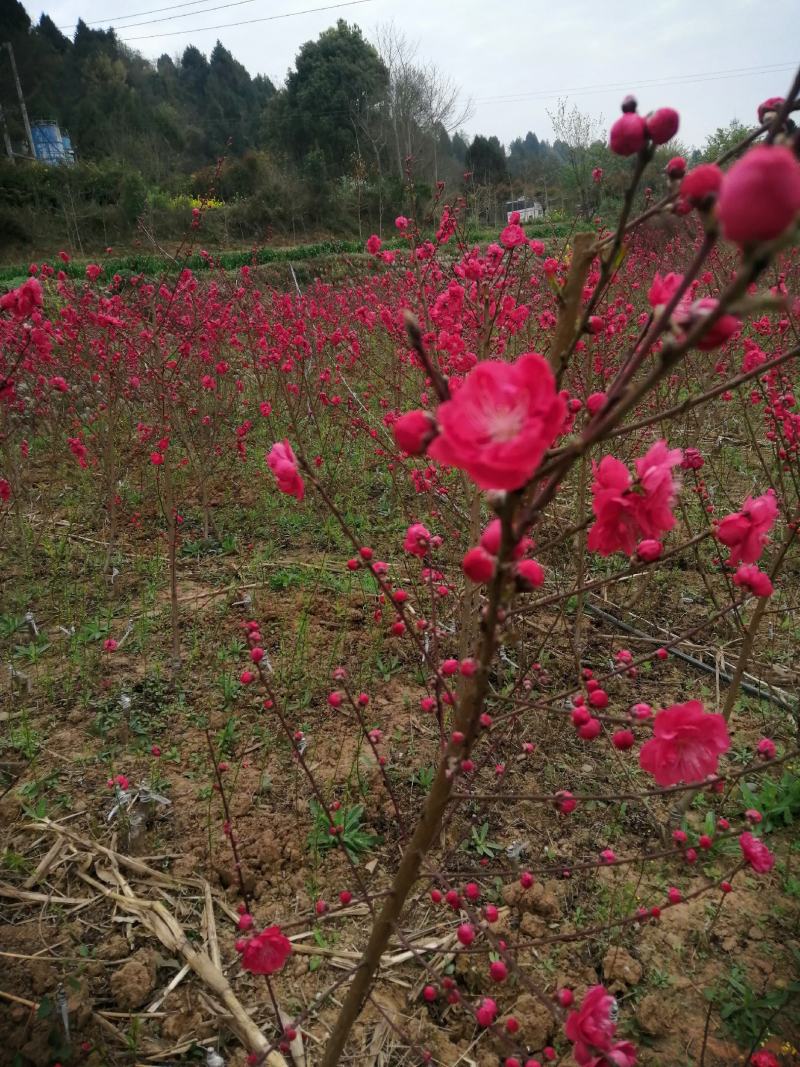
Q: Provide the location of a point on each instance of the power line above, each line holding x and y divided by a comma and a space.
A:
185, 15
682, 79
246, 22
136, 14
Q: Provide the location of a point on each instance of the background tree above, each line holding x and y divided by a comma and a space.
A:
576, 133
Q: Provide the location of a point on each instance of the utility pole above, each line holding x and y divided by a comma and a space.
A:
22, 107
6, 138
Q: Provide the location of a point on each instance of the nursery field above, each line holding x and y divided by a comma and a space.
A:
331, 620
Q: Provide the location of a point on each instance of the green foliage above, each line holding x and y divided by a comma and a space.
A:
778, 800
480, 844
335, 77
750, 1016
486, 159
353, 836
722, 140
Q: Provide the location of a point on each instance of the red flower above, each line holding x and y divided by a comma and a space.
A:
374, 244
768, 109
764, 1058
614, 506
663, 124
663, 289
478, 565
21, 302
628, 134
686, 744
499, 423
676, 168
590, 1028
701, 183
654, 511
760, 196
267, 952
623, 1054
756, 853
512, 236
625, 515
688, 314
283, 464
745, 532
414, 431
418, 539
750, 577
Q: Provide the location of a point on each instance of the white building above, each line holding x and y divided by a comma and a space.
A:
528, 209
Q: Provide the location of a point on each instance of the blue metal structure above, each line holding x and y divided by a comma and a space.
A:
50, 146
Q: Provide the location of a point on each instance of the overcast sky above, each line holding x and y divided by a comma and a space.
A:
713, 60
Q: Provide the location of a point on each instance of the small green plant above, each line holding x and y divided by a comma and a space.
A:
480, 844
25, 740
424, 778
33, 651
353, 837
747, 1015
319, 939
230, 687
778, 800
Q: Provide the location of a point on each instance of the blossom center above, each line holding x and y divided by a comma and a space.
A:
504, 423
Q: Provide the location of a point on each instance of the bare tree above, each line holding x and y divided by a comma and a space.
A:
577, 132
421, 103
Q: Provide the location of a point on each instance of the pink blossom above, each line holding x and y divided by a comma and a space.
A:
500, 421
374, 244
756, 853
686, 744
486, 1012
414, 431
663, 289
702, 183
267, 952
597, 175
478, 565
512, 236
760, 196
590, 1028
654, 510
21, 302
750, 577
93, 272
766, 748
649, 551
745, 532
529, 574
615, 507
676, 168
628, 134
768, 108
401, 222
688, 314
418, 540
662, 125
764, 1058
283, 464
621, 1054
692, 460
